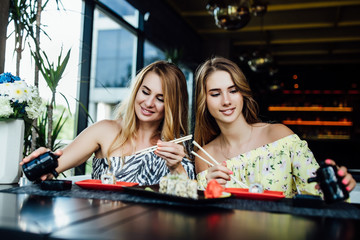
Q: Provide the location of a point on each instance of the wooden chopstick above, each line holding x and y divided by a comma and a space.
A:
197, 155
153, 148
297, 189
216, 163
206, 153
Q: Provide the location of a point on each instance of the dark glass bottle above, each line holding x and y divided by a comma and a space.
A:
44, 164
330, 183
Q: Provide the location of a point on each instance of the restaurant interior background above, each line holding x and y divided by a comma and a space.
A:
301, 58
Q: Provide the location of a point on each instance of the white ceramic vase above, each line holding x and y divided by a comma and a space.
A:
11, 149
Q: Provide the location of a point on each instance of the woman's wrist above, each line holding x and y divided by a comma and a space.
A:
178, 170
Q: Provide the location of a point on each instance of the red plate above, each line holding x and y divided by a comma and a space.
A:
244, 193
97, 185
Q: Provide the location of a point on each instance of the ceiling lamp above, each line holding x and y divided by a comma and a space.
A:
258, 8
235, 14
232, 17
260, 61
211, 5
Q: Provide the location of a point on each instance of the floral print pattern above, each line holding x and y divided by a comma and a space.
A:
275, 166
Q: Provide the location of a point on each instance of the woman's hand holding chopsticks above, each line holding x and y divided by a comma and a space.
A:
153, 148
173, 154
217, 171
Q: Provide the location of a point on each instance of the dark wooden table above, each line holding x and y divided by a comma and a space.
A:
29, 216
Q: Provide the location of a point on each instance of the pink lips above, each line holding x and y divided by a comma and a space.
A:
146, 112
228, 111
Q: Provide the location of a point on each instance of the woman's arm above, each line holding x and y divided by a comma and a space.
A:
77, 152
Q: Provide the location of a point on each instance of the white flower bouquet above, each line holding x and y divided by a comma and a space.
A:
17, 99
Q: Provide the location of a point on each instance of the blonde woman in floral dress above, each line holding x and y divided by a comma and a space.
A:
228, 128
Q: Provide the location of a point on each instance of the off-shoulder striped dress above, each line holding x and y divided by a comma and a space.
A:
146, 169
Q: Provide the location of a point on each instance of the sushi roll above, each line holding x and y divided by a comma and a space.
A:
163, 184
192, 189
178, 185
108, 178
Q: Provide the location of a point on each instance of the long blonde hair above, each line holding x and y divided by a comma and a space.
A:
175, 122
206, 128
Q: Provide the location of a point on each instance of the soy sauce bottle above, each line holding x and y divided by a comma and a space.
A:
330, 183
44, 164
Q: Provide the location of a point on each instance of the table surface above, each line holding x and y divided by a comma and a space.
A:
30, 216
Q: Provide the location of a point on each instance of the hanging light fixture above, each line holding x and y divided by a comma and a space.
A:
235, 14
258, 8
211, 5
260, 61
232, 17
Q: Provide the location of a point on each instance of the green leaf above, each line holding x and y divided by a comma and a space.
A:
51, 73
41, 130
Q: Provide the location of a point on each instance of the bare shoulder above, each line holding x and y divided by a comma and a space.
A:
108, 124
277, 131
266, 132
104, 127
94, 139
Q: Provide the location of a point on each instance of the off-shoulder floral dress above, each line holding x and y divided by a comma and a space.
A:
146, 169
274, 165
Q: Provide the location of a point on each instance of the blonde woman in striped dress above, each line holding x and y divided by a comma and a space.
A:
155, 113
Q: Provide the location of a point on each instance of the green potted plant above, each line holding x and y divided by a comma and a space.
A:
52, 74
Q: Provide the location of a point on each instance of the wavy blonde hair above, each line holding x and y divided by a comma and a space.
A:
206, 128
175, 122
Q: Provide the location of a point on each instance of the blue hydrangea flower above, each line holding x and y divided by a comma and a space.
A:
8, 78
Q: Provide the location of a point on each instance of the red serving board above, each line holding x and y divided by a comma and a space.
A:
266, 195
96, 184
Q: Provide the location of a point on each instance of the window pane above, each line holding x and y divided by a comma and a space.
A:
114, 51
124, 9
113, 62
152, 53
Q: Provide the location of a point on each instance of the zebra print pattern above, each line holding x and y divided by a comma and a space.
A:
145, 170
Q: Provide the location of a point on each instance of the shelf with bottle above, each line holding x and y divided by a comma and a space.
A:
317, 115
308, 109
345, 123
340, 119
313, 100
331, 92
322, 133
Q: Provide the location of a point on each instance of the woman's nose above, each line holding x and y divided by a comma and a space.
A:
226, 99
149, 102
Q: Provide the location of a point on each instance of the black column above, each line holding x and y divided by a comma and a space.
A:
84, 87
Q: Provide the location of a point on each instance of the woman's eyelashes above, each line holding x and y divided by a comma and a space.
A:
217, 93
234, 90
146, 92
159, 97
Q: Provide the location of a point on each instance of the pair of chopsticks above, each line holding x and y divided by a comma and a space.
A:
216, 163
153, 148
297, 189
